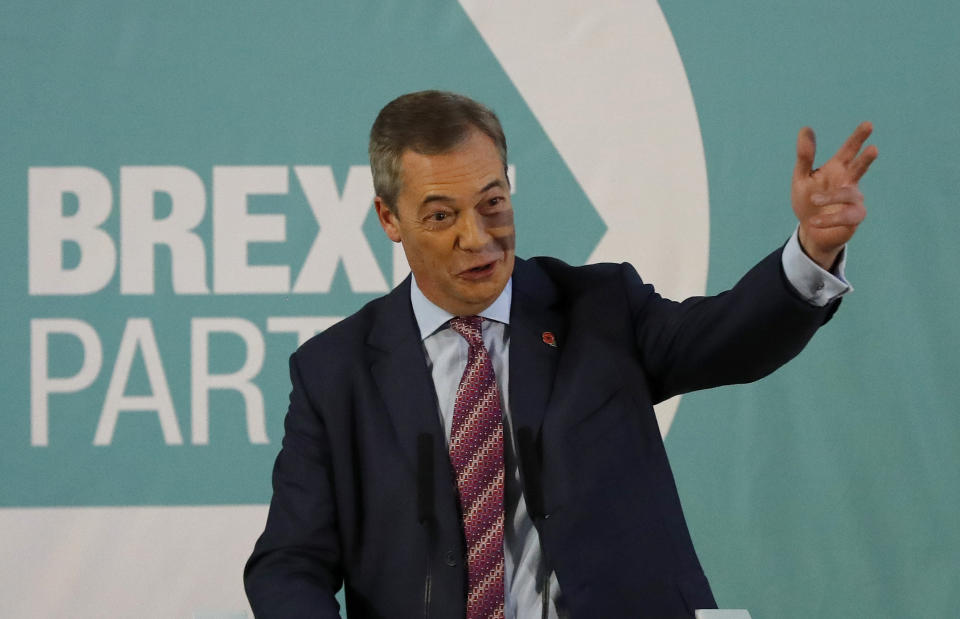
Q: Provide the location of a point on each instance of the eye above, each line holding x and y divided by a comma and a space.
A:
493, 205
438, 219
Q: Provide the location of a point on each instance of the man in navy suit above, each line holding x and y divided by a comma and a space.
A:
365, 494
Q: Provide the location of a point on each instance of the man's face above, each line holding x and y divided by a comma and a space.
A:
454, 218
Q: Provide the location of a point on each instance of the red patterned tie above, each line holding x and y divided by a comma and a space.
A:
476, 451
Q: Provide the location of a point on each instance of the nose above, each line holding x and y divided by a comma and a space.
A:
474, 235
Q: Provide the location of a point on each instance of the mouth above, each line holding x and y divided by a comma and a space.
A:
481, 271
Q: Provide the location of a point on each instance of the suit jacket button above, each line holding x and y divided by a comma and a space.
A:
451, 558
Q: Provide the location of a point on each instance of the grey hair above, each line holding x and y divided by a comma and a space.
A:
429, 122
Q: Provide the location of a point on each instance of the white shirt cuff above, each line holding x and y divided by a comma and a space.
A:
815, 284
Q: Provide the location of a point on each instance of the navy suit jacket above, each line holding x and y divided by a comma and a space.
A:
364, 494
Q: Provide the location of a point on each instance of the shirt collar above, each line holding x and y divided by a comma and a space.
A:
430, 317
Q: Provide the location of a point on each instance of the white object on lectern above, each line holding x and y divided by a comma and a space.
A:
722, 614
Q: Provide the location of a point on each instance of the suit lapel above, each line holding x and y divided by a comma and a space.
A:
533, 363
400, 371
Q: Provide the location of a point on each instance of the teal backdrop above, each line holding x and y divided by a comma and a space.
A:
833, 496
829, 489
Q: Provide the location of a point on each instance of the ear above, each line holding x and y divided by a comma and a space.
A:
388, 219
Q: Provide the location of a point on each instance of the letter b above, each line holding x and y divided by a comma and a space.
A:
49, 228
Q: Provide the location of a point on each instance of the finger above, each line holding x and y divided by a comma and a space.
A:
847, 194
860, 165
844, 215
852, 146
806, 150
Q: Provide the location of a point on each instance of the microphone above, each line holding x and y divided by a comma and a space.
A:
530, 461
425, 512
425, 476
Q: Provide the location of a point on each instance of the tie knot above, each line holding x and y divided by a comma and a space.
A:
470, 328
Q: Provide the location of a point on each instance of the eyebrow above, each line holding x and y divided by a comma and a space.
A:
496, 183
438, 197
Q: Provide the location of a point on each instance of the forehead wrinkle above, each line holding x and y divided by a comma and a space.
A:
449, 177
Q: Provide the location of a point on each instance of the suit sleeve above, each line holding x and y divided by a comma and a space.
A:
736, 336
294, 569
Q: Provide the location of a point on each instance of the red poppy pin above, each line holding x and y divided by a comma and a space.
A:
549, 339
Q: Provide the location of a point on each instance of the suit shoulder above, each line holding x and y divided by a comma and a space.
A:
344, 338
580, 279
